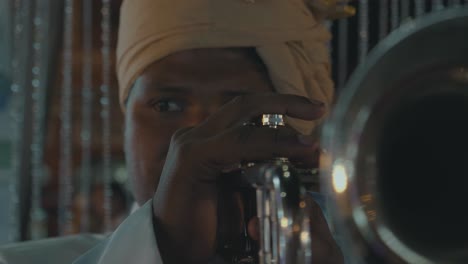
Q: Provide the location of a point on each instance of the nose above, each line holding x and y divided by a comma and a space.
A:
202, 112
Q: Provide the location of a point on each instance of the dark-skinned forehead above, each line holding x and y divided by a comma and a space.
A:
175, 72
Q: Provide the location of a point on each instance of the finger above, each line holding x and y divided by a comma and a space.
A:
247, 107
309, 161
249, 143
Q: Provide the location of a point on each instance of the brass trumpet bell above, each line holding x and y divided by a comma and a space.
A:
397, 165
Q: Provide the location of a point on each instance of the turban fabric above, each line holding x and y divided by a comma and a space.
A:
286, 34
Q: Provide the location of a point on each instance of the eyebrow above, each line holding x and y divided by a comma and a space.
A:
170, 88
185, 90
235, 93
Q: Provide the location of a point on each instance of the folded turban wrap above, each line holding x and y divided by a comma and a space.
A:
286, 34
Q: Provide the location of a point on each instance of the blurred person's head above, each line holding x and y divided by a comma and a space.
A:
178, 63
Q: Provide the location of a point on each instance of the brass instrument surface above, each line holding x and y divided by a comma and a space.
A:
398, 147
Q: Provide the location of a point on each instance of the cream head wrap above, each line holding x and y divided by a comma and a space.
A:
285, 33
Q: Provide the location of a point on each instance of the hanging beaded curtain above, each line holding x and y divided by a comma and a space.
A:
78, 211
17, 118
65, 170
65, 114
29, 77
66, 122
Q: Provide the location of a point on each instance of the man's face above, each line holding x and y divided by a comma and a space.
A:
178, 91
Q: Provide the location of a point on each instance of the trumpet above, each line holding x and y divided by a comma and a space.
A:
277, 188
281, 207
396, 166
397, 141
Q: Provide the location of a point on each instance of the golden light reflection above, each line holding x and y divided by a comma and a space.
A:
366, 198
284, 222
296, 228
371, 215
302, 204
340, 178
304, 237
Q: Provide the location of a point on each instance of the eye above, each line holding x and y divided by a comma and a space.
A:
168, 105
